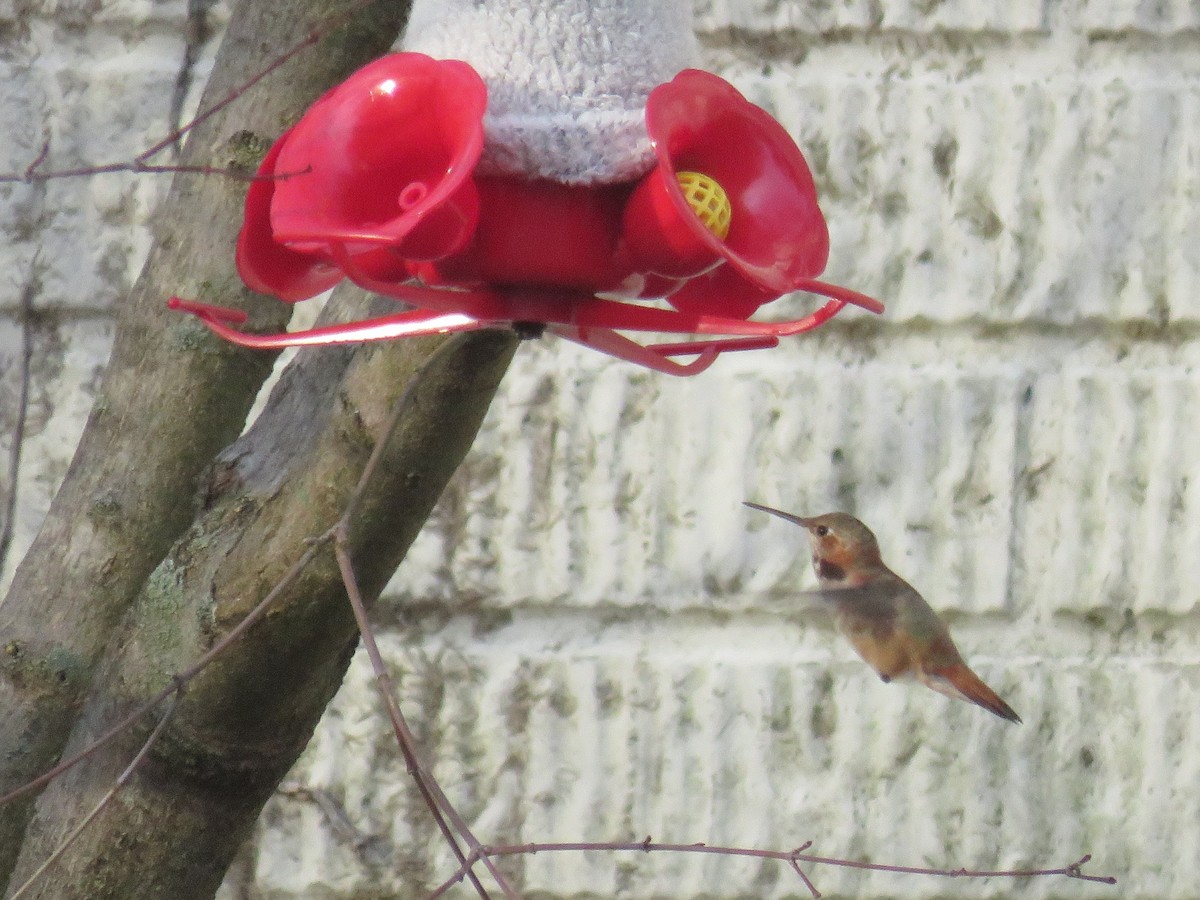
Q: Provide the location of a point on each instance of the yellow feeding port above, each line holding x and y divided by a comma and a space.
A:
708, 201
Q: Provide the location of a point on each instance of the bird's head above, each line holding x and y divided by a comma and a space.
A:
841, 545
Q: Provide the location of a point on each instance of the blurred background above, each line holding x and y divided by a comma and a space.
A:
594, 639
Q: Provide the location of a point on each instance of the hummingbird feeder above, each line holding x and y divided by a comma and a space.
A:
380, 182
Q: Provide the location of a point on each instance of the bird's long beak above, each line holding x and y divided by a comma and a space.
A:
798, 520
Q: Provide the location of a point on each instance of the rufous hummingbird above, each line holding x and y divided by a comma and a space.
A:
889, 624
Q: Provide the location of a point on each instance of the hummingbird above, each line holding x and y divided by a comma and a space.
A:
886, 620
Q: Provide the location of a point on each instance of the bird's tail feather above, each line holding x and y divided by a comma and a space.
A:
959, 681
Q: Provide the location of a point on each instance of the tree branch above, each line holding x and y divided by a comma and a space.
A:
171, 397
121, 781
247, 717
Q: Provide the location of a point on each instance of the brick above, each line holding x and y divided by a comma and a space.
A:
67, 359
79, 14
563, 501
1106, 526
1127, 18
864, 19
1015, 194
869, 15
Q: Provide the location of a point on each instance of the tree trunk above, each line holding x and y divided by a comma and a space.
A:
151, 551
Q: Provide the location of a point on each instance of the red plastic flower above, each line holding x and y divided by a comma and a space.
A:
777, 240
378, 168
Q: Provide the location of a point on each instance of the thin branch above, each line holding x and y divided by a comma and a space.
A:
309, 40
140, 165
31, 169
335, 816
812, 888
181, 678
431, 792
134, 167
439, 805
793, 857
437, 801
120, 783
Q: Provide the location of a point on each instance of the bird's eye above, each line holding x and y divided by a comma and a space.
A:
822, 530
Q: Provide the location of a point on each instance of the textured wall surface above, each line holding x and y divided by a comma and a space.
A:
94, 83
597, 642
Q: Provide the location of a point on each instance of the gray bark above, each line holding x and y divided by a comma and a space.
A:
152, 550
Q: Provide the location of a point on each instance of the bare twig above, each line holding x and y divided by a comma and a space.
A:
792, 857
31, 174
335, 816
181, 678
439, 804
812, 888
31, 169
121, 781
140, 164
309, 40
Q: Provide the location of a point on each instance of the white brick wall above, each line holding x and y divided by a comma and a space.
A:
598, 642
97, 81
